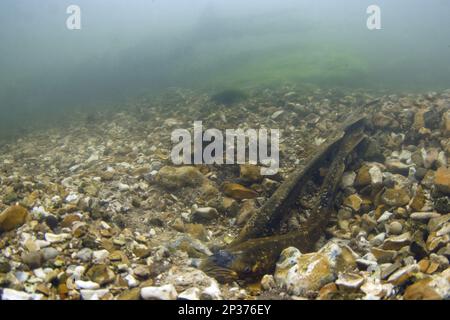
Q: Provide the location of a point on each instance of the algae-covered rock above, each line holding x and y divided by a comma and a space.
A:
12, 218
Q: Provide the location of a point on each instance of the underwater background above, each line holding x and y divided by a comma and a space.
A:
137, 48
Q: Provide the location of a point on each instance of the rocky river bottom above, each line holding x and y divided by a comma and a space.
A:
95, 209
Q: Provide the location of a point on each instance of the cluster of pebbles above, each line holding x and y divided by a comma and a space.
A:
96, 210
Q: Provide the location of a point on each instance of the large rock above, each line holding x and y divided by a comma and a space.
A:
436, 287
301, 274
179, 177
12, 218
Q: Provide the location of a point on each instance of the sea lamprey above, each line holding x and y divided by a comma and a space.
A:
251, 259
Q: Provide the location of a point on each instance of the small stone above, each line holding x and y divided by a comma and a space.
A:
131, 281
206, 214
276, 114
349, 281
239, 192
442, 180
87, 294
250, 173
57, 238
395, 228
422, 216
84, 255
49, 253
100, 256
100, 274
129, 295
190, 294
363, 177
80, 284
348, 179
198, 231
328, 291
395, 197
436, 287
12, 218
212, 292
69, 219
166, 292
384, 256
403, 275
301, 274
51, 221
418, 201
397, 242
32, 259
396, 166
11, 294
268, 282
354, 202
142, 272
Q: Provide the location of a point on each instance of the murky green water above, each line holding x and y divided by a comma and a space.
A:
124, 50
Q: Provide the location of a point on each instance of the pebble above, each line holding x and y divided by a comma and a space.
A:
88, 294
84, 254
100, 256
57, 238
80, 284
190, 294
11, 294
166, 292
424, 215
49, 253
395, 228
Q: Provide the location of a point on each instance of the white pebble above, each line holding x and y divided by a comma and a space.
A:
86, 285
166, 292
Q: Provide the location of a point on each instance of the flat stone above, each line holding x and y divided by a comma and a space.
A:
238, 192
403, 275
354, 202
87, 294
80, 284
166, 292
190, 294
424, 215
11, 294
397, 242
384, 256
349, 281
57, 238
101, 274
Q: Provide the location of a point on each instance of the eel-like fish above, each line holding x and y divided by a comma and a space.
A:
251, 259
267, 219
